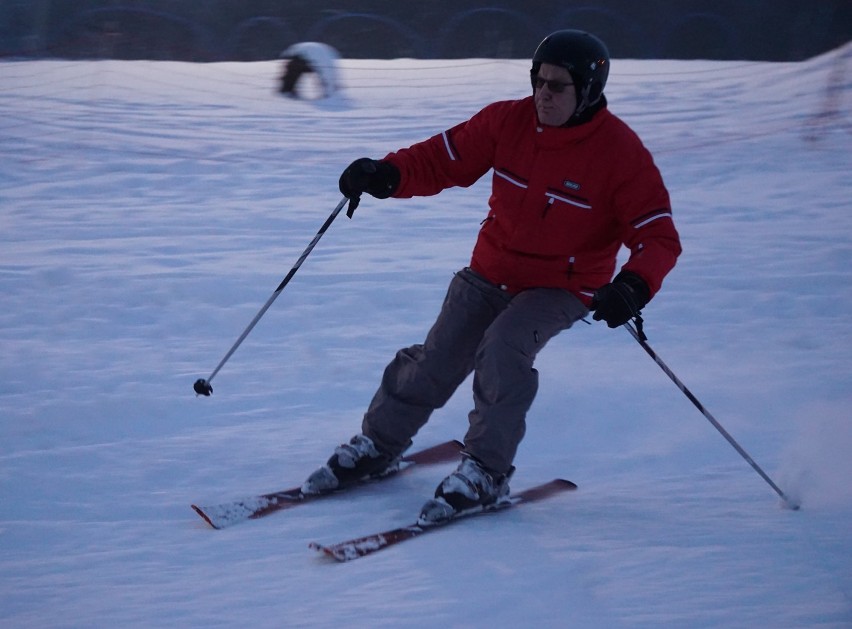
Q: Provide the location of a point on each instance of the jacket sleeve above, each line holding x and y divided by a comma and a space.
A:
456, 157
645, 218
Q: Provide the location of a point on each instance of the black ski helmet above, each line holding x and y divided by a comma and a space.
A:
583, 55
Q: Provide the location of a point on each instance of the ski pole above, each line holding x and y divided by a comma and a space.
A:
640, 337
202, 386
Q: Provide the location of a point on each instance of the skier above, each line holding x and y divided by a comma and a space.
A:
305, 58
571, 184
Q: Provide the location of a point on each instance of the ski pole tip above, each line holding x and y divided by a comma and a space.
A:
202, 387
792, 505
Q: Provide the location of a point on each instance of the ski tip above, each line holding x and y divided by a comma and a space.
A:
328, 551
565, 484
204, 516
318, 547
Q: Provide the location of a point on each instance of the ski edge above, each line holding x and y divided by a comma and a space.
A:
369, 544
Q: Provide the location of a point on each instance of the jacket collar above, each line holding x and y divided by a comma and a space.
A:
556, 136
587, 114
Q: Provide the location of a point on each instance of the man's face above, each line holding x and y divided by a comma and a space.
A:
554, 107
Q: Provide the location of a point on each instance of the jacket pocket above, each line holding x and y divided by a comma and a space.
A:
556, 198
565, 222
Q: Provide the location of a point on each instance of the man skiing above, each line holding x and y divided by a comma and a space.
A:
571, 184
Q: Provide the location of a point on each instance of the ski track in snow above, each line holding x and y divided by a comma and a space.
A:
148, 210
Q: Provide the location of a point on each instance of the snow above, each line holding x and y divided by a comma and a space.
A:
147, 211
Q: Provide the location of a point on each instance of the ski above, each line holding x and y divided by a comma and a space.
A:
355, 548
229, 513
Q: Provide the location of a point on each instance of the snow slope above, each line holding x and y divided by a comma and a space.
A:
148, 210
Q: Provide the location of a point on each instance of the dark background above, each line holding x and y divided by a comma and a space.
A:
248, 30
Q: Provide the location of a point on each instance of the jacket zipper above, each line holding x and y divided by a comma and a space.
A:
570, 266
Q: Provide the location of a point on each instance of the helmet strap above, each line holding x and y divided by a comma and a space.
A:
587, 112
582, 100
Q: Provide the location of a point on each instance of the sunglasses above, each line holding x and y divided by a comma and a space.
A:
557, 87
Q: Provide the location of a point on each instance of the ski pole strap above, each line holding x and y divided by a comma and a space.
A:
638, 321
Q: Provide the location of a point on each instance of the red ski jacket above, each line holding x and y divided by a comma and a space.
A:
564, 199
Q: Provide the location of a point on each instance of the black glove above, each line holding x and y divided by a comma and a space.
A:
380, 179
621, 300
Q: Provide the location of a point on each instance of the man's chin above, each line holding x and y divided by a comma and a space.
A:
550, 120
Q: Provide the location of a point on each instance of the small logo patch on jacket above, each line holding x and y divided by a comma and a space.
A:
573, 185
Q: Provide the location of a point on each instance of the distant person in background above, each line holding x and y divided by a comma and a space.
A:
571, 185
309, 57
